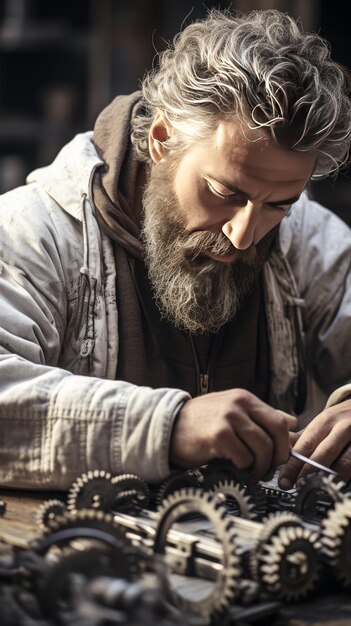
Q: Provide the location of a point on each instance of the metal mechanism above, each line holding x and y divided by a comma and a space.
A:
198, 554
336, 540
48, 511
317, 494
286, 558
102, 491
216, 549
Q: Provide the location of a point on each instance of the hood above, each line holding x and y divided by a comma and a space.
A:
117, 183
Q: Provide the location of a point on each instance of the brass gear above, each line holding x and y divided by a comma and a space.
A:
225, 589
48, 511
286, 560
335, 532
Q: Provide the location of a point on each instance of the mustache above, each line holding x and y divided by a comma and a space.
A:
199, 242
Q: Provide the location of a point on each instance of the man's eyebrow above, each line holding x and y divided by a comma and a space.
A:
229, 185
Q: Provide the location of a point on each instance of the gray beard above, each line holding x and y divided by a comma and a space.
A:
195, 293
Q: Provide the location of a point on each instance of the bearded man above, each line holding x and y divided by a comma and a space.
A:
169, 292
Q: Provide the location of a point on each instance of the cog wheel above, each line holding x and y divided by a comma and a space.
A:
224, 589
286, 559
131, 493
175, 481
236, 500
93, 490
335, 532
225, 468
222, 469
317, 494
54, 586
48, 511
89, 526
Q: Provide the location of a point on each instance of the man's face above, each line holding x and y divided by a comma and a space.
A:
209, 220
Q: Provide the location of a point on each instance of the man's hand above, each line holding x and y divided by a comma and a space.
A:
232, 425
327, 439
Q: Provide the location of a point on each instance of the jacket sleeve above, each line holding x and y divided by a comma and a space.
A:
54, 425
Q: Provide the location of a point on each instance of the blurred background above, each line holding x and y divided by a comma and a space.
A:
62, 61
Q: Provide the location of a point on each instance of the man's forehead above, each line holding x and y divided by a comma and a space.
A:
233, 146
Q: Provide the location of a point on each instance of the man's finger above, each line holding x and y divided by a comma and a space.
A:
291, 419
289, 473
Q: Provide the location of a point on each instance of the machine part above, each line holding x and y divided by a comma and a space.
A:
285, 560
222, 469
49, 511
184, 504
235, 498
53, 587
335, 532
278, 500
175, 481
225, 468
88, 527
99, 490
93, 490
131, 493
318, 493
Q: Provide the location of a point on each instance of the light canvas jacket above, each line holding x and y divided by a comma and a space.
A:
61, 410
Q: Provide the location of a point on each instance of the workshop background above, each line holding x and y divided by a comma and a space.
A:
62, 62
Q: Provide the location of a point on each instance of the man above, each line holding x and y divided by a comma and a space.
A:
169, 293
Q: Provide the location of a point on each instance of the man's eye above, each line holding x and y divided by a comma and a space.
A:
285, 208
223, 196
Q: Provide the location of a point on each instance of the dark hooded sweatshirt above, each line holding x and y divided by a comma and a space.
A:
152, 351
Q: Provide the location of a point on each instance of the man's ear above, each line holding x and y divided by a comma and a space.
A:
158, 134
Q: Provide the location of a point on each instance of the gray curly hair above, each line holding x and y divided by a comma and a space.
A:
263, 69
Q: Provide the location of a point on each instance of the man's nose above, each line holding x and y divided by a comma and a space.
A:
240, 229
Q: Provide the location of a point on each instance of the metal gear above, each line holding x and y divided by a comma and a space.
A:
335, 532
222, 469
225, 468
225, 588
53, 587
318, 493
175, 481
93, 490
286, 560
99, 490
235, 498
131, 493
84, 541
48, 511
91, 526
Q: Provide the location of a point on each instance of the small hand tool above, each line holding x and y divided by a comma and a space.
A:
305, 459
